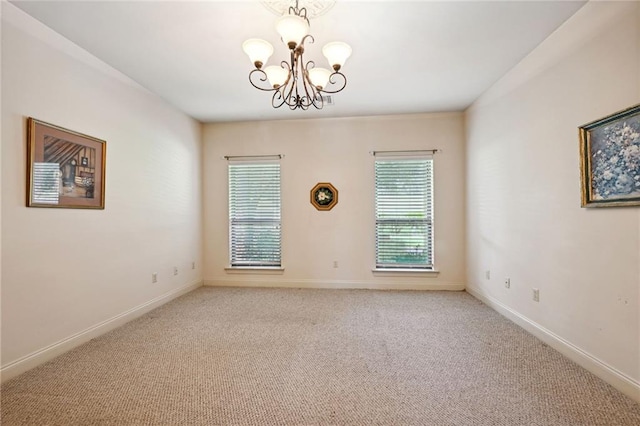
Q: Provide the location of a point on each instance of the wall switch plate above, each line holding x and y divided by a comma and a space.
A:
154, 277
193, 265
507, 282
175, 270
335, 263
536, 295
487, 274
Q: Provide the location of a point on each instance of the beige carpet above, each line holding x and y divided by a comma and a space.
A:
315, 357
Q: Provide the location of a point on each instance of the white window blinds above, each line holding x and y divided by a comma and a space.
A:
254, 214
404, 213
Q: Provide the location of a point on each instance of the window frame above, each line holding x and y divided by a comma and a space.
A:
236, 263
428, 221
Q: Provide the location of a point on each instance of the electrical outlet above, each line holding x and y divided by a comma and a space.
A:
536, 295
175, 270
335, 263
154, 277
193, 265
507, 282
487, 274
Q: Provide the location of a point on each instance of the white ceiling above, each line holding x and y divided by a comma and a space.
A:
408, 56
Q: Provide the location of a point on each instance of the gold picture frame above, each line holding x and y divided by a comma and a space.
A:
65, 169
610, 160
324, 196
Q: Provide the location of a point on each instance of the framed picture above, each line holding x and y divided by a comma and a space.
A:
65, 169
610, 160
324, 196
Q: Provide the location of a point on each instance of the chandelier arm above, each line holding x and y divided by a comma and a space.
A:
305, 38
303, 102
286, 66
317, 102
277, 100
262, 76
310, 91
340, 84
293, 97
288, 90
301, 12
300, 100
290, 84
314, 96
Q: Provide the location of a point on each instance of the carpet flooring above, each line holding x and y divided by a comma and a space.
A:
231, 356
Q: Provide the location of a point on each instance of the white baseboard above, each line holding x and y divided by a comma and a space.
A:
387, 284
615, 378
43, 355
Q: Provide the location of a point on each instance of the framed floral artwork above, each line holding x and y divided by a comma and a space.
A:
324, 196
610, 160
65, 169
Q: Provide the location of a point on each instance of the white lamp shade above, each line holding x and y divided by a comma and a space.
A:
258, 50
319, 77
292, 29
336, 53
277, 75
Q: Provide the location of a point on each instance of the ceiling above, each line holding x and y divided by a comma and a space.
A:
408, 56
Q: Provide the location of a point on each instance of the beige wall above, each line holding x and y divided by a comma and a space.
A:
524, 219
336, 151
69, 274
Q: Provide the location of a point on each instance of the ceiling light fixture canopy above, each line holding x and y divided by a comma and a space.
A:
297, 84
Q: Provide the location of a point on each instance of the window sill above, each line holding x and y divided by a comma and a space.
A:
431, 273
275, 270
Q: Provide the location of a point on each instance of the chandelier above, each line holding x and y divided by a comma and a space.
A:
295, 83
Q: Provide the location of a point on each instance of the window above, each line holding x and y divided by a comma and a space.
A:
404, 213
254, 214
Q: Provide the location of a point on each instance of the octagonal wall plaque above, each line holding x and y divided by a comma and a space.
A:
324, 196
